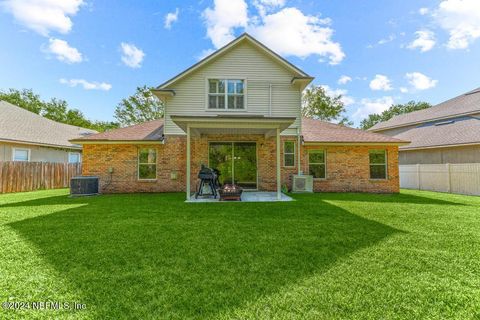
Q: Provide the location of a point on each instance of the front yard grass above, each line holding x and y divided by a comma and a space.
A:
324, 256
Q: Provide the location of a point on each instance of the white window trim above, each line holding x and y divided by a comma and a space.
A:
245, 94
138, 165
23, 149
378, 164
324, 163
294, 154
79, 157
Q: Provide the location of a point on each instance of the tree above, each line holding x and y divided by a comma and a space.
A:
394, 110
317, 104
55, 109
142, 106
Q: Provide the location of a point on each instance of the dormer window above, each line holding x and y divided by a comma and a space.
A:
226, 94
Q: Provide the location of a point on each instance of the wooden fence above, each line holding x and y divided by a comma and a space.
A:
18, 176
462, 178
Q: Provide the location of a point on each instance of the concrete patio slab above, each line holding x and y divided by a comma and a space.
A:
247, 196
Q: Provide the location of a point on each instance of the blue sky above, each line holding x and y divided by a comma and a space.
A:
94, 53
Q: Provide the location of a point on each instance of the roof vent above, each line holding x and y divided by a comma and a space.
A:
444, 122
472, 92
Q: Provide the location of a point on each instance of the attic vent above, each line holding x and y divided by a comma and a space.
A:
473, 92
444, 122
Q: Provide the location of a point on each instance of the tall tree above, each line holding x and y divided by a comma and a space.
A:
394, 110
55, 109
142, 106
317, 104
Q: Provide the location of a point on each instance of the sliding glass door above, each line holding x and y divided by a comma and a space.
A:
236, 161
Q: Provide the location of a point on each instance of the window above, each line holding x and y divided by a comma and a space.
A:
74, 157
147, 164
21, 154
378, 164
289, 154
317, 164
226, 94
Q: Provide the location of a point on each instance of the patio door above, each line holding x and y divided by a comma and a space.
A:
236, 161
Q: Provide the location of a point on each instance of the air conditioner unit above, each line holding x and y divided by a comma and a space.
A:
302, 183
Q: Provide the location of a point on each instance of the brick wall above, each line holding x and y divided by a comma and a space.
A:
347, 166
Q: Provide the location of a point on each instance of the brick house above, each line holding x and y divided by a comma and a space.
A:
239, 110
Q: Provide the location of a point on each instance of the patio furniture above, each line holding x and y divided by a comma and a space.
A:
230, 192
208, 180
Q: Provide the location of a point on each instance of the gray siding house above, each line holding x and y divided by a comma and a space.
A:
445, 133
26, 136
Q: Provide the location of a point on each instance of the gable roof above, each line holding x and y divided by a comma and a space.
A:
227, 47
458, 131
150, 131
467, 103
22, 126
321, 132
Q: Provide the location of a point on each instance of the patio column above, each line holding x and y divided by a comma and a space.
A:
188, 162
279, 177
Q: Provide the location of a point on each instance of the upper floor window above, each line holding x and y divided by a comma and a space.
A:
226, 94
20, 154
378, 164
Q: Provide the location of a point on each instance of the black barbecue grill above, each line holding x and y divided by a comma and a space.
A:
208, 177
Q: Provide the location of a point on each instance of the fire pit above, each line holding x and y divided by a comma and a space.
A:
230, 192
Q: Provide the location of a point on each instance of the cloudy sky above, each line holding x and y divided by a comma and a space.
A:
92, 53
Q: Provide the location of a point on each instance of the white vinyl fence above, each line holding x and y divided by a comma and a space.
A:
461, 178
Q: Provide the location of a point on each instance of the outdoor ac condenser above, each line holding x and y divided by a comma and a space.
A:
302, 183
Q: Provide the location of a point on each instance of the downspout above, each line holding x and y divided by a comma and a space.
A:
299, 140
270, 99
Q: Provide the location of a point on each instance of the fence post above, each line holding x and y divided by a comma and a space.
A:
418, 177
449, 178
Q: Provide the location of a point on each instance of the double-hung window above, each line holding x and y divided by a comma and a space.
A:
226, 94
378, 164
147, 164
20, 154
74, 157
289, 154
317, 166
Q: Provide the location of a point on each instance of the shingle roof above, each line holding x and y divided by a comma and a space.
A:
321, 131
18, 124
466, 103
463, 130
147, 131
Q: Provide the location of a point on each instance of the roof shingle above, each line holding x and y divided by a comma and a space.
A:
147, 131
18, 124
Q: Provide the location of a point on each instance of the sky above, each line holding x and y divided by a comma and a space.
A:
93, 53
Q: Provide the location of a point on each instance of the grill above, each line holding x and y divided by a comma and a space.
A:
208, 182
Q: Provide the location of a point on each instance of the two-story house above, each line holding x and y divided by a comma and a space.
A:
239, 111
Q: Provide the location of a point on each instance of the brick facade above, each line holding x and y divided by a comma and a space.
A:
347, 166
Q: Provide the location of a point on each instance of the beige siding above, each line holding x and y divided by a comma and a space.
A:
37, 153
467, 154
246, 62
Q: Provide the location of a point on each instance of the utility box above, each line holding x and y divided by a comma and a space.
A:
84, 186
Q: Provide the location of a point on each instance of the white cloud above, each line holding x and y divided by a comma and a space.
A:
390, 38
86, 84
420, 81
221, 21
347, 100
403, 90
131, 55
370, 106
170, 18
205, 53
291, 33
44, 16
461, 18
344, 79
63, 51
380, 82
288, 31
425, 41
423, 11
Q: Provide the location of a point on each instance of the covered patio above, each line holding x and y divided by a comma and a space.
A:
233, 125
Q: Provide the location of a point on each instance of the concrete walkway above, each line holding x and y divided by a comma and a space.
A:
247, 196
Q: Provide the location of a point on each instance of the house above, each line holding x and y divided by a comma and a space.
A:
445, 133
239, 110
27, 136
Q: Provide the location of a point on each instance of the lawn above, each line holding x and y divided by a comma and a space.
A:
356, 256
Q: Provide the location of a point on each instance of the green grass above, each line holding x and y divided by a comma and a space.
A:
356, 256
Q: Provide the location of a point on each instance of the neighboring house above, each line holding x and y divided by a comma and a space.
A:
27, 136
446, 133
239, 110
